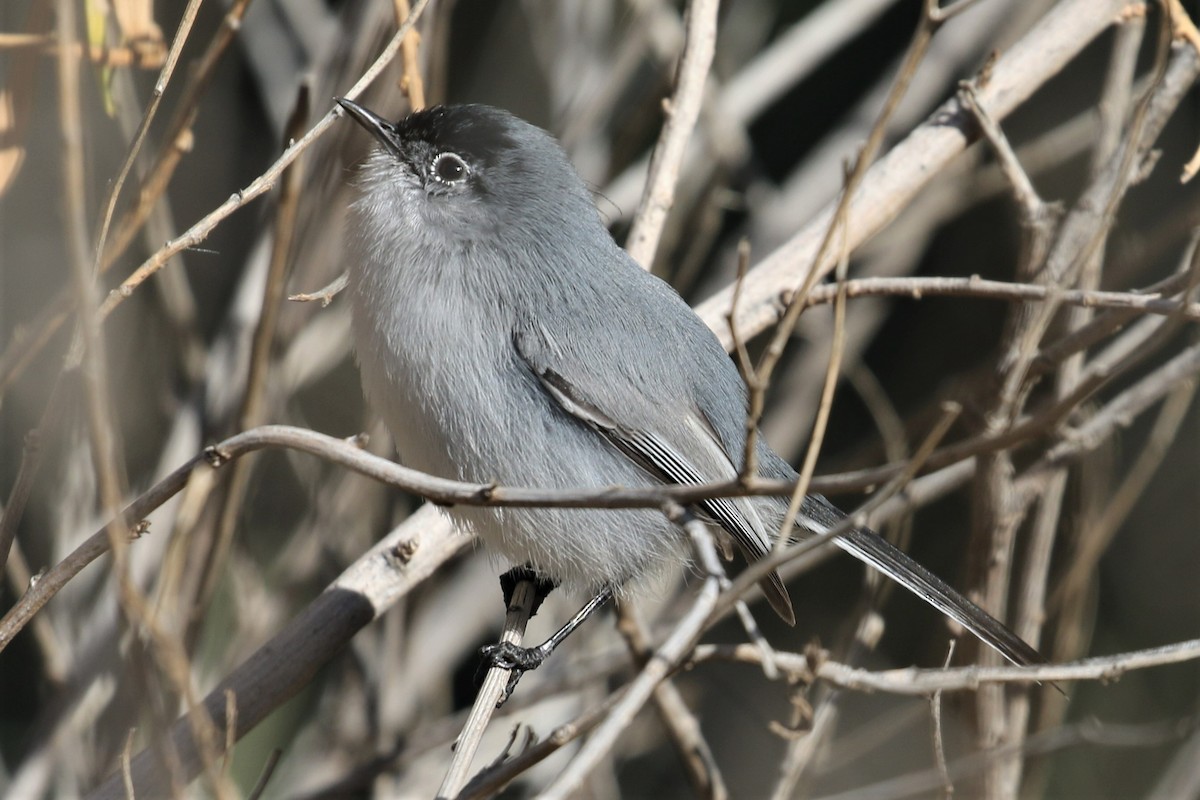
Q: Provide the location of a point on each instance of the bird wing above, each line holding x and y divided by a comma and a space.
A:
656, 453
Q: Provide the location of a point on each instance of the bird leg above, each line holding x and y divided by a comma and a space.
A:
519, 660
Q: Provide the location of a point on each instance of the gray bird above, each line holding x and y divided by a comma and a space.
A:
504, 336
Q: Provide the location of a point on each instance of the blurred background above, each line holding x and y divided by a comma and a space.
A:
795, 88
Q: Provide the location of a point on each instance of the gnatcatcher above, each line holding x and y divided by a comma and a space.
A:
504, 336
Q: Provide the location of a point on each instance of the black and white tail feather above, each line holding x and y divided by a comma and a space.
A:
819, 516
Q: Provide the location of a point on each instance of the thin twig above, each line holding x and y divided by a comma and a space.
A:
177, 139
264, 777
411, 83
683, 729
325, 294
672, 653
1082, 567
490, 781
263, 183
251, 412
135, 147
916, 681
681, 111
491, 694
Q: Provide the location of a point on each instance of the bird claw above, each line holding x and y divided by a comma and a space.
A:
513, 658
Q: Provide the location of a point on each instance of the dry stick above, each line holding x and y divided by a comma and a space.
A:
804, 747
917, 681
200, 230
18, 496
681, 111
1119, 412
178, 137
410, 83
490, 695
912, 163
682, 727
939, 744
1151, 300
254, 399
1032, 586
672, 653
489, 782
325, 294
1081, 569
350, 456
387, 572
996, 517
838, 226
160, 87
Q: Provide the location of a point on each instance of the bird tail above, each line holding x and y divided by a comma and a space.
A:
819, 516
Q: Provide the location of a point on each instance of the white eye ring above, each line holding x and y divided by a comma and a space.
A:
449, 168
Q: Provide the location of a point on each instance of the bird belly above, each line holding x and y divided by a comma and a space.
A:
491, 424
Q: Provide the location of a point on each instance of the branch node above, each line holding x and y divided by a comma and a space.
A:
216, 456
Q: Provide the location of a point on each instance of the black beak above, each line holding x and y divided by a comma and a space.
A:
376, 125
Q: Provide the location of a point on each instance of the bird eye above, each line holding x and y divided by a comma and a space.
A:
449, 168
